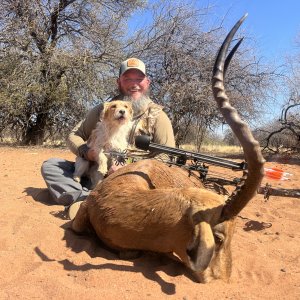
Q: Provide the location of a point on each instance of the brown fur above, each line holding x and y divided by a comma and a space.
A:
161, 209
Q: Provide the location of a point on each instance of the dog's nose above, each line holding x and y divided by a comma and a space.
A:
122, 111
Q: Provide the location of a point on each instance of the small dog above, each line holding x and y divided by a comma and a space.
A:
111, 133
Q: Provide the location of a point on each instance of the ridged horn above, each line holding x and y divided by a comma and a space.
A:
252, 177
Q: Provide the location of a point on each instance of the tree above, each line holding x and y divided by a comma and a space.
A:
282, 135
57, 57
180, 51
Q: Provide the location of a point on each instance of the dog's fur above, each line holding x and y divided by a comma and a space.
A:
111, 133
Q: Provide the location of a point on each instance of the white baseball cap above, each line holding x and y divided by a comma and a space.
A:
132, 63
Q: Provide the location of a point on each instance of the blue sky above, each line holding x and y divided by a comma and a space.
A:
274, 23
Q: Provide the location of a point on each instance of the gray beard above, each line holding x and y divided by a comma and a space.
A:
139, 105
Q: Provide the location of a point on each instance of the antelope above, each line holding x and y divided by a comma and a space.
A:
151, 206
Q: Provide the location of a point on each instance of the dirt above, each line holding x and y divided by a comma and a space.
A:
41, 258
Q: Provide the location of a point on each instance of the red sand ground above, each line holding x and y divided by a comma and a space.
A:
41, 258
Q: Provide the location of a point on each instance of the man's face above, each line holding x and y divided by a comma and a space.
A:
134, 83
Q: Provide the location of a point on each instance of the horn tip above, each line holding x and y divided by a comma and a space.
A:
244, 16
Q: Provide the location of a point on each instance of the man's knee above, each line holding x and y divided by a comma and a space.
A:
49, 164
57, 166
53, 161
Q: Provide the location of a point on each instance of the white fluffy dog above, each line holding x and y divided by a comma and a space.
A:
111, 133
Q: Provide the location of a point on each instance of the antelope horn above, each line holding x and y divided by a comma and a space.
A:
230, 55
253, 175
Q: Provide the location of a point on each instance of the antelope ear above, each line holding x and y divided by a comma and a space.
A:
201, 251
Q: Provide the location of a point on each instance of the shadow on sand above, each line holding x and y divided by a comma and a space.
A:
149, 264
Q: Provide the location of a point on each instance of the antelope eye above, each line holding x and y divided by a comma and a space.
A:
219, 238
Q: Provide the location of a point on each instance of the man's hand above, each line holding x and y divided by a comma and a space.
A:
91, 155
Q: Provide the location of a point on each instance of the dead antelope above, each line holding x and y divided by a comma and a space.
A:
151, 206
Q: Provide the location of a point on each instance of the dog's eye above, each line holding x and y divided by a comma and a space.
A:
125, 106
114, 106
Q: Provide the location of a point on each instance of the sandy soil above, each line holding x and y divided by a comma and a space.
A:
41, 258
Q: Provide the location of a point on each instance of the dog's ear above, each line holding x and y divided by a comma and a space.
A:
104, 110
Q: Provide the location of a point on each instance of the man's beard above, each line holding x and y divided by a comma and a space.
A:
138, 105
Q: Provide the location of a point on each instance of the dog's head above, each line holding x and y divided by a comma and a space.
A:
117, 111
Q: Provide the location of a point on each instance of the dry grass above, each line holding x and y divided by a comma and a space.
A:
209, 148
206, 148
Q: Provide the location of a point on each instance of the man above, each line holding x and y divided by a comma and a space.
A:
133, 85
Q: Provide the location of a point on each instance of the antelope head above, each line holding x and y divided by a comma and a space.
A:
219, 260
